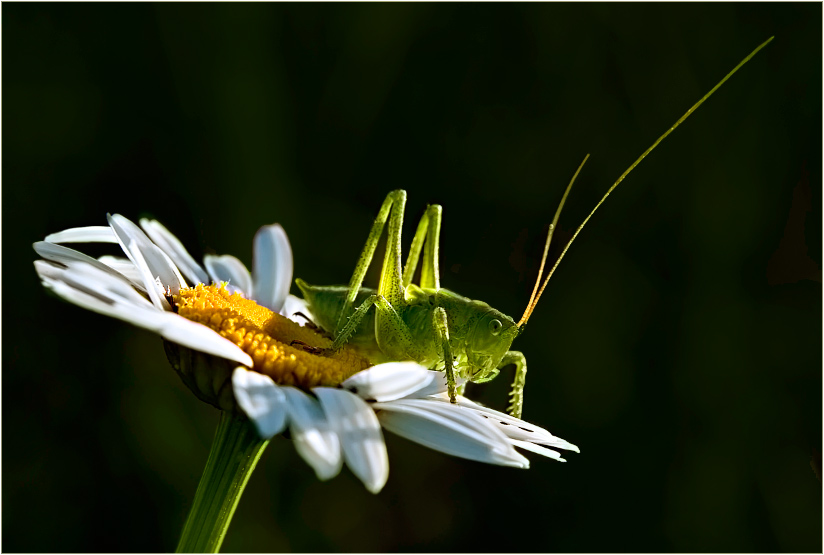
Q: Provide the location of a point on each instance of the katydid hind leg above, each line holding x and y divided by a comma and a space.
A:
391, 283
516, 395
430, 273
392, 210
415, 250
391, 332
439, 319
426, 241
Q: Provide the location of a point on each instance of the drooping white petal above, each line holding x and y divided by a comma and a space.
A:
178, 329
122, 311
48, 269
172, 246
515, 428
261, 400
64, 255
313, 437
360, 435
272, 267
389, 381
538, 449
228, 268
132, 239
89, 234
93, 281
451, 429
94, 290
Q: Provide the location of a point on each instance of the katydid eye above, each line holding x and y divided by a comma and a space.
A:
495, 327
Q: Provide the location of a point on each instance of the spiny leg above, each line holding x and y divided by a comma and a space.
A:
391, 283
516, 396
442, 331
429, 229
392, 334
392, 210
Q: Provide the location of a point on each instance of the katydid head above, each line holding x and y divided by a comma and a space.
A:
490, 338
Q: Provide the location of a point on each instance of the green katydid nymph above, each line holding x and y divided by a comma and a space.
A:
467, 339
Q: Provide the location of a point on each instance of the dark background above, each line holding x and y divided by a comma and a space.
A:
679, 344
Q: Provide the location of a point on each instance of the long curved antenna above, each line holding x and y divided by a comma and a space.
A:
530, 306
695, 106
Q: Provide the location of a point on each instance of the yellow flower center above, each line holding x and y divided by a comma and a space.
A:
280, 348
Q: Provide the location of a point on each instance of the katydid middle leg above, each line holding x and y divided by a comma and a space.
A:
427, 239
441, 326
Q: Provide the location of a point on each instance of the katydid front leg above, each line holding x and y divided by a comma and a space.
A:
516, 396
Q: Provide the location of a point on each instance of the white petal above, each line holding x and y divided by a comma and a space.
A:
48, 270
314, 439
122, 311
90, 234
451, 429
436, 386
172, 246
93, 281
131, 239
272, 267
515, 428
64, 255
262, 401
154, 287
228, 268
538, 449
389, 381
123, 266
360, 435
292, 305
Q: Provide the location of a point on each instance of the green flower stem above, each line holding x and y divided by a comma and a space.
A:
235, 452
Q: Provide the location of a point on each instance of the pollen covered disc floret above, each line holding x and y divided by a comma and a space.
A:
279, 347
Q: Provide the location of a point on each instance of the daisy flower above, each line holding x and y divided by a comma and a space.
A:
227, 337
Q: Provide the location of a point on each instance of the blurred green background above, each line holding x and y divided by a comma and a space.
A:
679, 344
